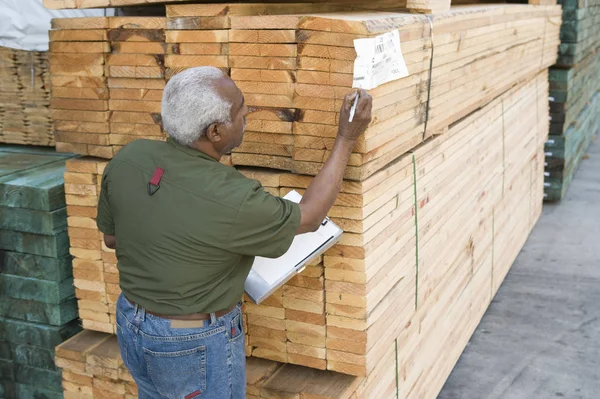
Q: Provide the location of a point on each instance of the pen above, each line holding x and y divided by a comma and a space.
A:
353, 109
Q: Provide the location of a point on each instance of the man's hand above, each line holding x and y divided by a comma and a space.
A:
110, 241
325, 187
362, 116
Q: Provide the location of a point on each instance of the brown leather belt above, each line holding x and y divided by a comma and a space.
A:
193, 316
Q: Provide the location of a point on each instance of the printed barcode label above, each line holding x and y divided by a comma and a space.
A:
379, 60
383, 47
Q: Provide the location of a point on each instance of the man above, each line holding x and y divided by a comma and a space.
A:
186, 229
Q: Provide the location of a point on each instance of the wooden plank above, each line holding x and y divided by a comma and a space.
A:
78, 35
80, 23
79, 47
126, 23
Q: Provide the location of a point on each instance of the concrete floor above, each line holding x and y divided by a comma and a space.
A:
540, 338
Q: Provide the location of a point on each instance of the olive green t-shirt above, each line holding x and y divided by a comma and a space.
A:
189, 247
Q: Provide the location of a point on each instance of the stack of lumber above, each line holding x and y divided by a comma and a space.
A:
94, 265
399, 301
136, 78
289, 6
38, 309
440, 195
574, 88
579, 31
93, 369
295, 69
108, 78
25, 98
78, 50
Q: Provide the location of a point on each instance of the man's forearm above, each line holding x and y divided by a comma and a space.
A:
325, 187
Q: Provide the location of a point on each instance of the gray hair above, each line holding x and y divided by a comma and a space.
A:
190, 104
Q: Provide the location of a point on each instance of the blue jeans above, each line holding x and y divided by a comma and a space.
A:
173, 360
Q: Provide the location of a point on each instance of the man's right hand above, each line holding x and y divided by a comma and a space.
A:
362, 116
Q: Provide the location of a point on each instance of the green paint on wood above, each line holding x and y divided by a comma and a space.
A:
40, 188
39, 312
28, 355
35, 244
51, 292
49, 379
12, 162
40, 267
32, 221
27, 333
34, 392
7, 370
35, 357
32, 178
564, 153
32, 149
8, 389
5, 351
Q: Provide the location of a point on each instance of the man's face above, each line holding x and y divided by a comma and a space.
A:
232, 135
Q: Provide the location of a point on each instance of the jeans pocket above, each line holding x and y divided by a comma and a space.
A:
179, 374
236, 328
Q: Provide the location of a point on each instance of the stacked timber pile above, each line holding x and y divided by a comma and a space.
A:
38, 309
80, 92
439, 197
574, 95
136, 78
93, 368
399, 307
296, 69
25, 98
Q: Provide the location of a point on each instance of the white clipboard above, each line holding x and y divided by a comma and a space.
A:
268, 275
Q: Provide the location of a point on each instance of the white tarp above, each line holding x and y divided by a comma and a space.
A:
24, 24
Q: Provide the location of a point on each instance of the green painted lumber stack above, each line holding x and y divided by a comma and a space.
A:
564, 153
574, 88
38, 309
579, 32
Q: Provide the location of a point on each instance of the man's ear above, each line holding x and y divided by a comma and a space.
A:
212, 133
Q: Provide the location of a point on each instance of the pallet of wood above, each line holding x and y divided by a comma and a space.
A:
25, 98
335, 315
136, 78
38, 308
396, 304
295, 70
93, 369
294, 6
78, 51
574, 88
579, 31
565, 152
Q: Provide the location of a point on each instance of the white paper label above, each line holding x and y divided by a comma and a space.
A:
379, 60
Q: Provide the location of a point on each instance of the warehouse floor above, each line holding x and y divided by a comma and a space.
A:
540, 338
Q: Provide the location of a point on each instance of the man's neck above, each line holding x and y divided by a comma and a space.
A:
207, 148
